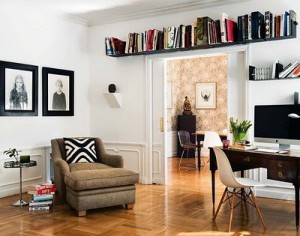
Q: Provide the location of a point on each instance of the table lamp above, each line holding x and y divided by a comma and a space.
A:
211, 139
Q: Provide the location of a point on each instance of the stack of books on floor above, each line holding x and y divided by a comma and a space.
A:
42, 197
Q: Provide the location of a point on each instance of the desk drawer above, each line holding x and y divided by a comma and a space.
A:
245, 160
281, 170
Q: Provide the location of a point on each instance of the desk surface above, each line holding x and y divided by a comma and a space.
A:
291, 153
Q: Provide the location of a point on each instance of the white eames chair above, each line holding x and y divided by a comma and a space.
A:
233, 183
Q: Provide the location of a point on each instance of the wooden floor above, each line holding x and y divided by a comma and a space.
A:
183, 207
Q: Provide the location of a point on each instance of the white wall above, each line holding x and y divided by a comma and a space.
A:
129, 75
32, 36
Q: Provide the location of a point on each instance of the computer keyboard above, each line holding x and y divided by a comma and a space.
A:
266, 150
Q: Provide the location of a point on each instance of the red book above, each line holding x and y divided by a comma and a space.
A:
150, 37
231, 27
40, 186
42, 191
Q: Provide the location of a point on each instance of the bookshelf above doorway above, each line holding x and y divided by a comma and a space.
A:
213, 32
203, 47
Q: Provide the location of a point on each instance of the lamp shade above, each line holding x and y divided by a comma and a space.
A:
211, 139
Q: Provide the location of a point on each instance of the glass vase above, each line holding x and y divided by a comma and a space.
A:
238, 137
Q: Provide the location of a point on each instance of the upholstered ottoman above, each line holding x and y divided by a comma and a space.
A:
90, 189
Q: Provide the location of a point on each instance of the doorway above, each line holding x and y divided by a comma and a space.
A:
157, 105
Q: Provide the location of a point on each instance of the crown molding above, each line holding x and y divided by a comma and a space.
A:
162, 11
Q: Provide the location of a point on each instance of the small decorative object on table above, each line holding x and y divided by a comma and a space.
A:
239, 130
13, 152
187, 109
226, 143
24, 158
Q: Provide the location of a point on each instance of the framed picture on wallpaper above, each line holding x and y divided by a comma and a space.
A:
18, 89
58, 92
206, 95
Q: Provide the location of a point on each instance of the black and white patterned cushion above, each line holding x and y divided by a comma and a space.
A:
80, 150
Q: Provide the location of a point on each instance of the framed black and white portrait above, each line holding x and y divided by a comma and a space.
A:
18, 89
206, 95
58, 92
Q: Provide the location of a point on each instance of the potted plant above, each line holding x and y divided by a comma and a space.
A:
12, 152
239, 129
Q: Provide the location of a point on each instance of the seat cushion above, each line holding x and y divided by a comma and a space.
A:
100, 178
87, 166
80, 150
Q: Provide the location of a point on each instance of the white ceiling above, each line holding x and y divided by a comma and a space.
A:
95, 12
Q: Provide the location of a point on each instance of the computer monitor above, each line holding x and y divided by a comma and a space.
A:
278, 124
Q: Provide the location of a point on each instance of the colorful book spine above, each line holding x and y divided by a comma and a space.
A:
199, 31
268, 24
40, 203
224, 16
43, 197
257, 22
39, 208
42, 191
231, 30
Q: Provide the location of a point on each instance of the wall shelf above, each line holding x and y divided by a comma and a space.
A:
210, 45
113, 99
274, 79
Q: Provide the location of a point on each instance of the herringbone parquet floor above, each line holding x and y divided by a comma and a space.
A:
183, 207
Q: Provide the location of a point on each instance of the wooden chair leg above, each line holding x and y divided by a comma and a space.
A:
221, 202
257, 209
231, 210
245, 202
81, 213
129, 206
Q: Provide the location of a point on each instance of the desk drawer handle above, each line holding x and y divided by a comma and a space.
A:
247, 159
280, 174
279, 164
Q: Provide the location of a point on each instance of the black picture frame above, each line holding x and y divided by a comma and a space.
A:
58, 103
18, 89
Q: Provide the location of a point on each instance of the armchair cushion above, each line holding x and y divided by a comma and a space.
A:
80, 150
105, 178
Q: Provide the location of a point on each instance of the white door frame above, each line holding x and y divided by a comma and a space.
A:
148, 168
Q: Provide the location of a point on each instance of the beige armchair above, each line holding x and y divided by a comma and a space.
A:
90, 185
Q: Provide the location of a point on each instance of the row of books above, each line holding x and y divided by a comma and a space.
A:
292, 70
114, 46
206, 31
277, 71
258, 25
42, 197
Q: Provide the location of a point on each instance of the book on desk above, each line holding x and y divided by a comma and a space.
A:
242, 147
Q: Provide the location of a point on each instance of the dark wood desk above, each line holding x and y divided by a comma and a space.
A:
281, 167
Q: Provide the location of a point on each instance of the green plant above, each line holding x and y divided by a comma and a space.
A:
12, 152
239, 129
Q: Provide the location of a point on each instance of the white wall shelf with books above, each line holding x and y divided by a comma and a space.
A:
290, 71
249, 28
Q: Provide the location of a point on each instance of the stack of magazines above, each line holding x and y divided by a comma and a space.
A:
42, 197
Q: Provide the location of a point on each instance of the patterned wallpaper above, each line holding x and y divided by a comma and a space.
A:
184, 74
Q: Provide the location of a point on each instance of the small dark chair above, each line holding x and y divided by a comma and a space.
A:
186, 144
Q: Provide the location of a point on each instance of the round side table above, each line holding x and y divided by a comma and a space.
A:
17, 164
